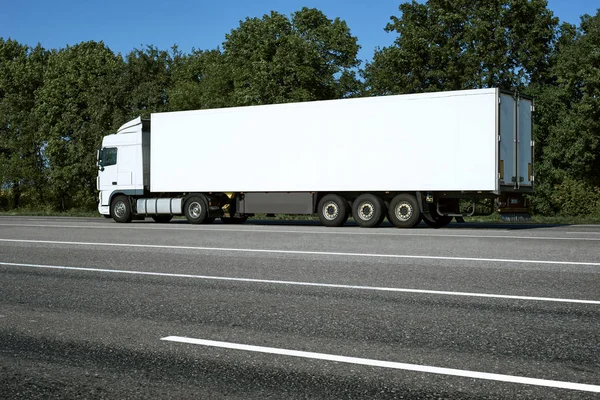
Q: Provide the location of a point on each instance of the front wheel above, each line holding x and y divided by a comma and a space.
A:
404, 211
196, 209
121, 209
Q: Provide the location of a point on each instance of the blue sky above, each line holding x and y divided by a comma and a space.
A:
127, 24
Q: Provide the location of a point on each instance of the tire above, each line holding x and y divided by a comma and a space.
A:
120, 209
196, 209
404, 211
333, 210
162, 218
233, 221
367, 210
435, 220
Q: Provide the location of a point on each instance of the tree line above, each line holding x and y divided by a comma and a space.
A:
57, 104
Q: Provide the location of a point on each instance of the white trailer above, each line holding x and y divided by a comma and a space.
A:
407, 157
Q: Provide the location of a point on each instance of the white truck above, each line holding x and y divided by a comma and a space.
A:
405, 157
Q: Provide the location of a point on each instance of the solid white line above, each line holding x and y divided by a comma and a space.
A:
390, 364
310, 284
359, 232
300, 252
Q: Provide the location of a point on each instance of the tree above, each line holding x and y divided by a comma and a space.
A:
22, 167
568, 124
464, 44
82, 100
201, 79
147, 79
277, 59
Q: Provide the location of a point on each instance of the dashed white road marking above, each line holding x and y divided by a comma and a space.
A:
389, 364
302, 252
333, 232
309, 284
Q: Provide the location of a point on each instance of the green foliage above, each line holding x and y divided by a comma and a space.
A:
567, 197
21, 160
278, 59
80, 101
147, 80
464, 44
568, 123
201, 79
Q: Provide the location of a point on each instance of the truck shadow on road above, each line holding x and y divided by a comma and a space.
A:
386, 225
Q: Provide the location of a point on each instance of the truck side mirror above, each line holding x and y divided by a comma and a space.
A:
100, 159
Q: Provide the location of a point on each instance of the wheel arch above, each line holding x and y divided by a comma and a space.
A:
128, 193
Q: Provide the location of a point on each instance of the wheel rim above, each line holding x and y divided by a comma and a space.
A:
195, 209
404, 211
331, 210
366, 211
120, 209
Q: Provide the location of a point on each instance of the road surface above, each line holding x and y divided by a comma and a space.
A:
94, 309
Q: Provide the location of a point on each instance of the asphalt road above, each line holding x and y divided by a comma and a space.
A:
94, 309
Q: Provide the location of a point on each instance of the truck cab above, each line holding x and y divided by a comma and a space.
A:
121, 161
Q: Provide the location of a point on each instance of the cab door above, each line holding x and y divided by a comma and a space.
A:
108, 172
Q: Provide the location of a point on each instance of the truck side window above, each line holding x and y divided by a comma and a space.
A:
110, 157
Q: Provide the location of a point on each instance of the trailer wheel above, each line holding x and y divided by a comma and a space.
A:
234, 220
120, 209
196, 209
367, 210
162, 218
404, 211
333, 210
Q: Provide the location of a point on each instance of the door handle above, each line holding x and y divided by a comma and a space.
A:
114, 183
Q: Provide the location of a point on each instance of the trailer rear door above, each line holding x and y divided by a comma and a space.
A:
516, 141
525, 143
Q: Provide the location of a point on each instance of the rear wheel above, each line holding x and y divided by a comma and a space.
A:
404, 211
196, 209
120, 209
333, 210
162, 218
367, 210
